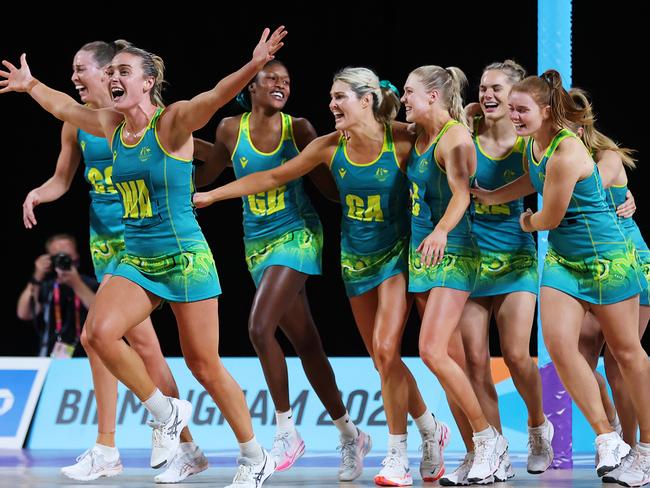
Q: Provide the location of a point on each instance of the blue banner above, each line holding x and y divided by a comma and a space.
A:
67, 406
21, 380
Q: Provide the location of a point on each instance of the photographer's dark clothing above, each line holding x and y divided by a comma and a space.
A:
62, 314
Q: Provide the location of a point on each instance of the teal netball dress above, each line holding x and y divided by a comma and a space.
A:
588, 256
106, 227
281, 227
616, 195
430, 195
508, 254
374, 222
166, 253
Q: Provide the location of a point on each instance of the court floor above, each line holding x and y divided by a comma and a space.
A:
40, 469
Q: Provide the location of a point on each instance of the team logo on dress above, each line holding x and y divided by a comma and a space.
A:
243, 161
342, 172
145, 154
542, 177
509, 175
114, 155
422, 167
381, 174
83, 146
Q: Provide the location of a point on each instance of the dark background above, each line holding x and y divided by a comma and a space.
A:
199, 49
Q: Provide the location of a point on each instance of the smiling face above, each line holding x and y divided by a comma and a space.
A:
127, 82
346, 107
271, 87
525, 113
417, 102
88, 78
493, 94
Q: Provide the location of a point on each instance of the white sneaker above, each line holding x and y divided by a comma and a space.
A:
92, 465
458, 477
504, 472
166, 436
396, 471
487, 453
352, 454
287, 448
612, 476
432, 465
611, 450
251, 475
638, 473
540, 449
189, 460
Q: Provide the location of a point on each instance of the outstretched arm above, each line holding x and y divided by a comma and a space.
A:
518, 188
99, 122
191, 115
315, 153
59, 183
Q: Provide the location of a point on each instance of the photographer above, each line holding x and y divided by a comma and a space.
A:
57, 297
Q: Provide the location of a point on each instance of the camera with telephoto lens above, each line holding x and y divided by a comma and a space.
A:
62, 261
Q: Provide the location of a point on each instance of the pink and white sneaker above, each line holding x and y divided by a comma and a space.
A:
287, 448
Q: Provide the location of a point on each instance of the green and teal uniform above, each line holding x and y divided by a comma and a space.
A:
106, 227
374, 221
616, 195
281, 228
508, 254
430, 196
588, 255
166, 253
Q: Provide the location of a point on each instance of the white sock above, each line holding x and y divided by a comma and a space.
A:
110, 453
285, 421
159, 406
490, 432
347, 429
397, 441
644, 446
252, 450
426, 424
187, 446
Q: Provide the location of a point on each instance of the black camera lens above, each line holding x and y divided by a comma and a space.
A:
62, 261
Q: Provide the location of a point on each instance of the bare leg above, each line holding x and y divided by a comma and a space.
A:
198, 327
562, 317
620, 324
441, 316
514, 315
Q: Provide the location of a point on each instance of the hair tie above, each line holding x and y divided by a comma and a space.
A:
243, 100
387, 85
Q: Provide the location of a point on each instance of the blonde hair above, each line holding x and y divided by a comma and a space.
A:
103, 51
152, 65
547, 90
513, 70
594, 139
385, 102
450, 82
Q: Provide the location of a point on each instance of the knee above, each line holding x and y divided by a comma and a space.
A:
517, 359
478, 363
259, 332
629, 356
100, 333
386, 356
434, 358
205, 370
84, 340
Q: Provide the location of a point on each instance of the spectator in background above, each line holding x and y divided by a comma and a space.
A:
57, 297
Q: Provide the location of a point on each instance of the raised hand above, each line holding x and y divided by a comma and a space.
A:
33, 199
267, 47
17, 79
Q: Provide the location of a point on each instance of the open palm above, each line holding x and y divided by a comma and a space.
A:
267, 47
16, 79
